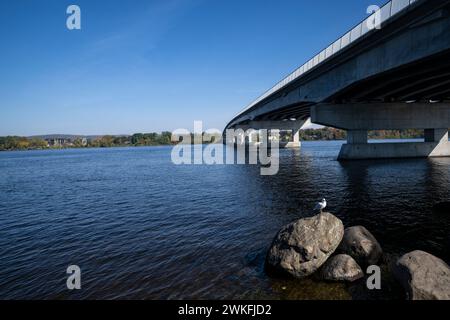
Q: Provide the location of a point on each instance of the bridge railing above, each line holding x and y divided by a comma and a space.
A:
389, 10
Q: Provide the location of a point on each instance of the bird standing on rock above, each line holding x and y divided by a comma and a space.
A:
320, 205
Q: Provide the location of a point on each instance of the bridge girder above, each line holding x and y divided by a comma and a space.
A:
408, 59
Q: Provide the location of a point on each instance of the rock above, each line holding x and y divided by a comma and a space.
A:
442, 208
301, 247
423, 276
361, 245
341, 267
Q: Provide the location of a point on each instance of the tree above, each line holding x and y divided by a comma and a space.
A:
36, 143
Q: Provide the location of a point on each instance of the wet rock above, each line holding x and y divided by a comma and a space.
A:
442, 208
361, 245
341, 267
390, 287
301, 247
423, 276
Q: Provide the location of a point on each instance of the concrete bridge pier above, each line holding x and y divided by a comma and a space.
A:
251, 137
357, 119
277, 128
243, 135
436, 135
250, 134
295, 140
436, 145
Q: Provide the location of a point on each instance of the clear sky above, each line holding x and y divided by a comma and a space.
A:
153, 65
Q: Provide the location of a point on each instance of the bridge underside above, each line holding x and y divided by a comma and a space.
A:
394, 78
358, 118
415, 96
422, 81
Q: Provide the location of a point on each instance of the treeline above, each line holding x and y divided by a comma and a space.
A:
137, 140
22, 143
322, 134
107, 141
396, 134
164, 138
337, 134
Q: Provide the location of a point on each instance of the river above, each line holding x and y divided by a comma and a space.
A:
141, 227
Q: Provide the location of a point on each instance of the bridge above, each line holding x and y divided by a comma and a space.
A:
390, 72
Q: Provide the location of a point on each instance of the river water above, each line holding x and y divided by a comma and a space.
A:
140, 227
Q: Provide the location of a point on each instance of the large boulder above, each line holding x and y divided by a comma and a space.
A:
301, 247
361, 245
442, 208
341, 267
424, 276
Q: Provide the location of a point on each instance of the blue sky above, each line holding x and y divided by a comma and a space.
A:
144, 65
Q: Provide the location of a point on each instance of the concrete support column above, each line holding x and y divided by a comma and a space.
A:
249, 138
436, 135
273, 134
252, 137
295, 140
263, 139
356, 136
273, 129
241, 139
255, 137
358, 118
296, 137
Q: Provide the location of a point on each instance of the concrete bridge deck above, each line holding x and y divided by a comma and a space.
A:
387, 78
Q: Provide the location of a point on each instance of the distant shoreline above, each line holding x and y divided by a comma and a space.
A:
155, 146
48, 142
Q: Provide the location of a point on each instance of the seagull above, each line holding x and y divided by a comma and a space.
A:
320, 205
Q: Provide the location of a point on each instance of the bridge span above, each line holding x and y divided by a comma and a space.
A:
396, 76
